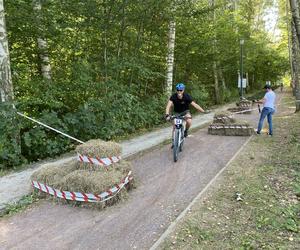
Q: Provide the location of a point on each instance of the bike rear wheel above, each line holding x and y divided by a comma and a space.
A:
176, 144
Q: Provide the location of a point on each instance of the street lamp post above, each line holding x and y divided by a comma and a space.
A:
241, 65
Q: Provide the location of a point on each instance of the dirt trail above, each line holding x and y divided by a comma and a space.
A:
164, 190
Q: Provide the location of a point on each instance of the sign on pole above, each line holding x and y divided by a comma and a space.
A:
244, 82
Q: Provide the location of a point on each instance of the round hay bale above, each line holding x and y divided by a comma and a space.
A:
99, 148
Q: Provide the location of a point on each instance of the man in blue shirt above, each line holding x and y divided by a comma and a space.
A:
269, 108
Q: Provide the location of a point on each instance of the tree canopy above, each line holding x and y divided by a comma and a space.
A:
108, 62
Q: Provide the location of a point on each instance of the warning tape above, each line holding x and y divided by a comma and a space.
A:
79, 196
56, 130
98, 161
247, 110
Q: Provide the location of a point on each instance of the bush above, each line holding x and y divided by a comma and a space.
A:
10, 149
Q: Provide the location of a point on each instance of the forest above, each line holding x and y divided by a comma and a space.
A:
105, 68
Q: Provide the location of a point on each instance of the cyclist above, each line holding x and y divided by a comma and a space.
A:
181, 102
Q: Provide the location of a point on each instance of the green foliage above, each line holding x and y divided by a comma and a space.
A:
39, 143
22, 204
108, 64
108, 111
10, 150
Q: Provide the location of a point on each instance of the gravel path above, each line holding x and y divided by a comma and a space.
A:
164, 190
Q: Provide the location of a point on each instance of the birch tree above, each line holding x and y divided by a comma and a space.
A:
215, 66
42, 43
6, 87
170, 57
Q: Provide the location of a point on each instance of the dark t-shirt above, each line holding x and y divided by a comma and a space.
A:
181, 105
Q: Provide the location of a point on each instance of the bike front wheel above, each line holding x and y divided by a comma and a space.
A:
176, 145
181, 143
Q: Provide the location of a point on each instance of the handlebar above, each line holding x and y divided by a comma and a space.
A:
180, 116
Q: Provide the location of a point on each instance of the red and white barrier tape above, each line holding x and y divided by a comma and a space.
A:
247, 110
78, 196
98, 161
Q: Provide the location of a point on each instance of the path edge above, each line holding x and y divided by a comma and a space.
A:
174, 223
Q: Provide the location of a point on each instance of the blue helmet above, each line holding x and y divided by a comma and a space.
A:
180, 86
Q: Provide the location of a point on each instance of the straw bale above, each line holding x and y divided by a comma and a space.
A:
52, 173
99, 148
125, 165
90, 181
241, 122
224, 117
239, 129
71, 176
222, 113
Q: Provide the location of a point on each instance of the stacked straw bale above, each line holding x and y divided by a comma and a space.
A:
242, 105
225, 124
224, 117
82, 177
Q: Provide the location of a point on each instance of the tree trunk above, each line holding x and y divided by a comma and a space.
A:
215, 67
6, 87
107, 16
122, 30
289, 37
294, 58
222, 79
170, 57
295, 61
136, 50
216, 83
296, 18
42, 43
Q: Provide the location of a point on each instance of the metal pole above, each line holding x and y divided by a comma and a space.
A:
241, 71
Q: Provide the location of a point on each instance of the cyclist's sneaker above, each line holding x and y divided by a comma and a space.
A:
185, 133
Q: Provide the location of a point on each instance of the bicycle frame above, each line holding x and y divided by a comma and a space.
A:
178, 134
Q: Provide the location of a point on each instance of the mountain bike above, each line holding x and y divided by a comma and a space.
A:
178, 133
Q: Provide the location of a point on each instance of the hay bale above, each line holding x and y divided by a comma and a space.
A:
241, 122
216, 129
224, 117
52, 173
99, 148
223, 113
96, 182
89, 181
68, 177
99, 168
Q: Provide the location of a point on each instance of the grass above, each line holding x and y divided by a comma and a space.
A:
266, 174
24, 203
